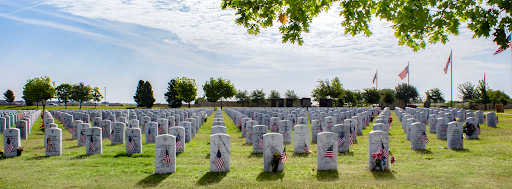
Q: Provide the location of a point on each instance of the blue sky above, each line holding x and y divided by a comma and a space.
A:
113, 44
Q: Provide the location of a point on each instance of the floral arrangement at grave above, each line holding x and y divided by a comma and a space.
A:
381, 157
470, 128
1, 153
276, 159
19, 150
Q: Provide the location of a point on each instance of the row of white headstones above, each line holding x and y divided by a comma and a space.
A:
14, 126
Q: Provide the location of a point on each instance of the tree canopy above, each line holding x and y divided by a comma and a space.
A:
39, 89
414, 22
171, 96
371, 95
242, 97
218, 89
499, 97
9, 96
328, 89
435, 95
144, 94
64, 93
186, 89
406, 92
96, 95
81, 93
388, 96
257, 96
274, 95
290, 94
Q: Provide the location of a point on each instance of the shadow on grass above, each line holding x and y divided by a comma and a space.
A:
246, 144
211, 178
124, 154
313, 142
39, 147
254, 155
423, 151
179, 153
207, 156
349, 153
461, 150
80, 157
383, 175
39, 158
75, 146
152, 180
330, 175
270, 176
300, 155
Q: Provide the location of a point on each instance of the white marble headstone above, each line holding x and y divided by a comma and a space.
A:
285, 128
94, 142
441, 128
257, 138
179, 133
53, 142
454, 135
151, 132
327, 156
378, 140
301, 139
219, 153
11, 142
82, 139
417, 130
272, 143
165, 154
133, 141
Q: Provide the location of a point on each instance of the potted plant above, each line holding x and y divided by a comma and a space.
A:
470, 129
276, 159
19, 150
1, 153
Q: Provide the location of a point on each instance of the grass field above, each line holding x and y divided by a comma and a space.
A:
484, 163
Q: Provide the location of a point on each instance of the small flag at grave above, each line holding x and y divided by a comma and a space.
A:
130, 144
49, 145
435, 125
497, 121
341, 139
477, 128
274, 127
167, 157
82, 136
423, 137
8, 146
111, 135
160, 130
91, 145
285, 133
329, 125
351, 137
485, 118
503, 49
219, 161
319, 130
283, 155
260, 143
149, 135
404, 73
71, 130
179, 144
293, 122
461, 141
327, 153
306, 148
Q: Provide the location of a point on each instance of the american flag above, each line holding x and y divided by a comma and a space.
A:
240, 122
245, 129
448, 63
160, 129
250, 134
260, 143
351, 137
329, 125
477, 128
293, 122
8, 146
130, 144
375, 77
219, 162
502, 49
49, 145
179, 144
283, 155
167, 157
485, 118
111, 135
341, 140
103, 130
149, 135
404, 73
319, 130
461, 141
82, 137
306, 148
435, 126
285, 133
497, 121
71, 130
423, 137
274, 127
91, 145
327, 153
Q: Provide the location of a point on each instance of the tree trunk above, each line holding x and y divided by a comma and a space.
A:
80, 105
220, 103
94, 105
189, 104
66, 105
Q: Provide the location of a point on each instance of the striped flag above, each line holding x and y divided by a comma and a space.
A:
319, 130
283, 155
435, 125
448, 63
274, 127
306, 148
82, 136
503, 49
477, 128
375, 77
111, 135
485, 118
71, 130
351, 137
285, 133
91, 145
327, 153
130, 143
167, 157
293, 123
49, 145
8, 146
496, 121
149, 135
329, 125
423, 137
461, 141
219, 162
341, 140
160, 129
260, 143
404, 73
179, 144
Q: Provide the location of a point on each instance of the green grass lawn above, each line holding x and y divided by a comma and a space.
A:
484, 163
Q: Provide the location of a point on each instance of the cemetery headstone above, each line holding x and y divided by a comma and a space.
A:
327, 158
165, 154
53, 142
301, 139
378, 150
257, 138
133, 141
11, 142
273, 146
94, 144
219, 153
454, 135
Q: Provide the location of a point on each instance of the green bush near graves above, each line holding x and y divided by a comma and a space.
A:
484, 163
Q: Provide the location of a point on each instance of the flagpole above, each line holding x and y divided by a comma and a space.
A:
408, 73
377, 79
451, 79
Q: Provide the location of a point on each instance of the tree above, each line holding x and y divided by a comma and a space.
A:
290, 94
218, 89
328, 89
274, 95
350, 98
81, 93
242, 97
257, 96
406, 92
139, 94
96, 95
482, 93
171, 96
468, 93
27, 101
39, 89
499, 97
64, 93
414, 22
371, 95
9, 96
435, 95
388, 96
186, 89
358, 95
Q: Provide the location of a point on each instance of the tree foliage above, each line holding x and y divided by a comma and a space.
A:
467, 92
290, 94
171, 96
371, 95
242, 97
39, 89
218, 89
81, 93
482, 93
186, 89
144, 95
406, 92
138, 94
332, 89
274, 95
499, 97
257, 96
414, 22
9, 96
96, 95
388, 96
435, 95
64, 93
